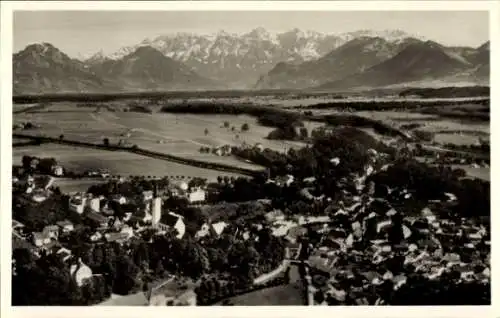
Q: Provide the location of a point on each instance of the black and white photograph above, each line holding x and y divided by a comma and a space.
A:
249, 158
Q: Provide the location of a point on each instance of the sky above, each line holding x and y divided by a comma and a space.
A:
83, 33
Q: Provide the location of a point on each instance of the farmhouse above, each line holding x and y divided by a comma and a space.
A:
77, 203
97, 219
214, 229
119, 237
172, 220
66, 226
119, 199
41, 238
57, 170
197, 195
52, 231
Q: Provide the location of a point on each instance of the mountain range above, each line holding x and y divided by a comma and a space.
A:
258, 59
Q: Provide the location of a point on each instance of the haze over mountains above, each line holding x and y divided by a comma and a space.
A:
257, 59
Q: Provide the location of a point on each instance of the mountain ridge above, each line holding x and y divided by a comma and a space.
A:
257, 59
42, 68
241, 59
418, 62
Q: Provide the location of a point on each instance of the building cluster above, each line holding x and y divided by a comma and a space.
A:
362, 242
370, 244
113, 218
33, 188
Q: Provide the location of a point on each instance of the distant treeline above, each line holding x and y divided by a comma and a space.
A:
457, 113
104, 97
447, 92
364, 122
381, 105
284, 119
266, 115
26, 143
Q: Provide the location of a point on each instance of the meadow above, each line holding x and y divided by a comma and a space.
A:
183, 133
116, 162
446, 130
177, 134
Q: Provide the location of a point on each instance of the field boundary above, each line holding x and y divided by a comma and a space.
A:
147, 153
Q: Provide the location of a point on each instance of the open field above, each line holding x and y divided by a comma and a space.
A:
480, 173
116, 162
181, 135
456, 131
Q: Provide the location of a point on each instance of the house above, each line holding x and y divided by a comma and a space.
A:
324, 263
281, 228
147, 195
49, 248
259, 147
119, 237
64, 253
80, 272
218, 151
274, 215
119, 198
127, 230
97, 219
309, 180
57, 170
41, 238
95, 204
141, 214
17, 226
52, 231
295, 232
173, 220
214, 229
197, 195
96, 237
219, 227
65, 226
335, 161
284, 180
77, 204
34, 163
39, 196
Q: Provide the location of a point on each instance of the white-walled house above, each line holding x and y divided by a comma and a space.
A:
41, 238
66, 226
214, 229
173, 220
197, 195
80, 272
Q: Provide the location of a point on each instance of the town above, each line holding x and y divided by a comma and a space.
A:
250, 158
167, 241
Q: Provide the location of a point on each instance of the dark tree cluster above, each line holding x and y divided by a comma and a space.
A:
363, 122
38, 165
348, 144
36, 216
47, 282
129, 188
429, 183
